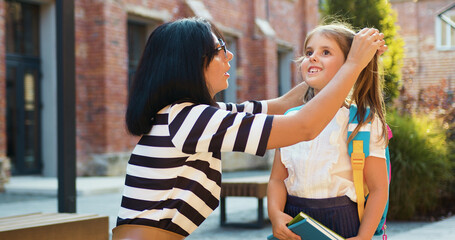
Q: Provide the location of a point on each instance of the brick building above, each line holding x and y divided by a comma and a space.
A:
428, 29
264, 35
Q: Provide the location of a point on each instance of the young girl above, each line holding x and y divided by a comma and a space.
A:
316, 176
173, 177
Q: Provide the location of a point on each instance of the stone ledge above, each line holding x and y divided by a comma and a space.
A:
5, 172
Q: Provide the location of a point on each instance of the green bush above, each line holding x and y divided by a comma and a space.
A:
421, 166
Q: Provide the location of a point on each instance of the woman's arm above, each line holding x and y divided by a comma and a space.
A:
293, 98
376, 178
276, 199
309, 121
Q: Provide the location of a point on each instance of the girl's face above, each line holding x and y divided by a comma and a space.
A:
216, 73
323, 59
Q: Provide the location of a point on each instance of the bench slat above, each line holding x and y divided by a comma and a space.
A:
55, 226
43, 219
255, 186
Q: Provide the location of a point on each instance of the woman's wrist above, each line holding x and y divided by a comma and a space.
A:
353, 65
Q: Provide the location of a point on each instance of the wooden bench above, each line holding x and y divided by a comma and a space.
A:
244, 187
55, 226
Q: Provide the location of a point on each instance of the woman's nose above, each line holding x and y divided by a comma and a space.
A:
230, 55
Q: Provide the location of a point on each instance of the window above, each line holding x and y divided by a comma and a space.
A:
284, 70
137, 36
445, 29
22, 28
139, 30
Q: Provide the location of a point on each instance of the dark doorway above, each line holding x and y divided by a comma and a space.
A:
22, 87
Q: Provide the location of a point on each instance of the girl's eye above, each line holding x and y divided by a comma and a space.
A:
308, 53
326, 52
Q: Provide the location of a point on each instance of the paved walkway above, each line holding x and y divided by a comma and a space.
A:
102, 195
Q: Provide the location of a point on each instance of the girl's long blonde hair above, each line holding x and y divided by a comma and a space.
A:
367, 90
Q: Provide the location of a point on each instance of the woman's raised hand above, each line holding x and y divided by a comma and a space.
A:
366, 43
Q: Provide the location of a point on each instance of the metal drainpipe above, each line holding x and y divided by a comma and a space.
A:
66, 114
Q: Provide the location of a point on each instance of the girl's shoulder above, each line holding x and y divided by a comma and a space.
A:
293, 110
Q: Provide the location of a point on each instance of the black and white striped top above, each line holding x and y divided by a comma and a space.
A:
173, 178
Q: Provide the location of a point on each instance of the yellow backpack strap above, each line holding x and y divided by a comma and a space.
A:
358, 163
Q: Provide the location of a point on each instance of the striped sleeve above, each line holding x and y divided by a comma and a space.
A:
248, 106
202, 128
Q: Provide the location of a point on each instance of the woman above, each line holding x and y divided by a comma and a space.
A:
174, 173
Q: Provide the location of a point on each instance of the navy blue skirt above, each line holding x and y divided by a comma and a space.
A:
339, 213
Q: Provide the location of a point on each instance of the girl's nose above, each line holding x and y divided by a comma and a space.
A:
313, 58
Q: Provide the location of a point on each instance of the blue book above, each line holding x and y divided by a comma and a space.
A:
309, 229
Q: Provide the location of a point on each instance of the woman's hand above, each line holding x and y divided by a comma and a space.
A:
382, 49
293, 98
366, 43
280, 230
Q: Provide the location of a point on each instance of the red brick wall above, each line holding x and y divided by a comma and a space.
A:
231, 13
91, 129
291, 23
309, 12
417, 27
3, 141
116, 75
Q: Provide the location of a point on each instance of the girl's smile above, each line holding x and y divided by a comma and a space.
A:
314, 70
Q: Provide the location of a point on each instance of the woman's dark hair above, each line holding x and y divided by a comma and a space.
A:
171, 69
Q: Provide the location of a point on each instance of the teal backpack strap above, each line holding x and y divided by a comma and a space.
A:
383, 223
364, 135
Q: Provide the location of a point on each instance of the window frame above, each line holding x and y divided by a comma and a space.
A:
444, 20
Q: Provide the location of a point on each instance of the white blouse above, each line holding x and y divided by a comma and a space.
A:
321, 168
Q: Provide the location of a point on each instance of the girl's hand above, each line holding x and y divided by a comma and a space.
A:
365, 44
280, 230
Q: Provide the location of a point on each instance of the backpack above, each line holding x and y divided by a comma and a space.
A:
358, 150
